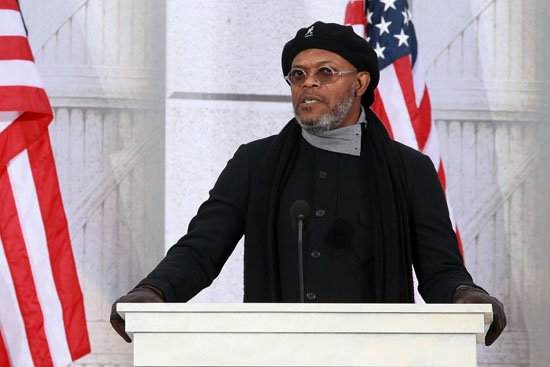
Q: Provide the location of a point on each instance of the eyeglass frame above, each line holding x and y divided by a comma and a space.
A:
336, 75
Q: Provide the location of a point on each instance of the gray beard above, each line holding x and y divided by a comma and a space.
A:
332, 118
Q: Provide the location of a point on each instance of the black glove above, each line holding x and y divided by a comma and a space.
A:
141, 294
471, 294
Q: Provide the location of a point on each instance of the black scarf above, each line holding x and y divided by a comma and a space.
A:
387, 199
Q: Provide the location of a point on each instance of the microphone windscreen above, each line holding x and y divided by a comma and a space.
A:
300, 207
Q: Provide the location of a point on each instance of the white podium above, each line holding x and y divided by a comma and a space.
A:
269, 334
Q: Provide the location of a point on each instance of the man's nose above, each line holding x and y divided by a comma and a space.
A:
310, 81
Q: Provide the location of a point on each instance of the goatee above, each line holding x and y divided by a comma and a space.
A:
332, 118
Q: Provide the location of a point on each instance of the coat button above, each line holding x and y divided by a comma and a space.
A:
311, 296
320, 213
322, 175
315, 254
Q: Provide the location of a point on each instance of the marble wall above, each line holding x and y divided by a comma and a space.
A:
151, 98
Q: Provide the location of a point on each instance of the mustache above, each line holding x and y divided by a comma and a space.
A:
310, 96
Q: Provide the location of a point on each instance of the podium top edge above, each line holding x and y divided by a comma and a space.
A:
305, 308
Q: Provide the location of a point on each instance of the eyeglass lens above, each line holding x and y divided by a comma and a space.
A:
323, 75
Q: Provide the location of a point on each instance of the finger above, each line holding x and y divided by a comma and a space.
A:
495, 330
157, 300
492, 335
119, 325
502, 314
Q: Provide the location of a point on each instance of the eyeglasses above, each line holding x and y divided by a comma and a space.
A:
323, 75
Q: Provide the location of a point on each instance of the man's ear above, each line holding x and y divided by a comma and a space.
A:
363, 80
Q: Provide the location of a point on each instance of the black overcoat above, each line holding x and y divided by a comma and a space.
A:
197, 258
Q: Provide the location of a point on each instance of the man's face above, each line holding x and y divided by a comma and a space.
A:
317, 106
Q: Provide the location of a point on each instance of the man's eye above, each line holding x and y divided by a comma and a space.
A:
325, 71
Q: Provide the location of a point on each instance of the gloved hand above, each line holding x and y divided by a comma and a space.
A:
471, 294
141, 294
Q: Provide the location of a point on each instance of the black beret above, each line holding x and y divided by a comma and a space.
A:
341, 40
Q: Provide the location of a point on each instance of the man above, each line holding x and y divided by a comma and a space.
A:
378, 205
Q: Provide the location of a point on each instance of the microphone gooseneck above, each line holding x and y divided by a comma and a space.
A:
300, 212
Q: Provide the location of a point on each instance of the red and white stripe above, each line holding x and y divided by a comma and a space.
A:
403, 104
42, 320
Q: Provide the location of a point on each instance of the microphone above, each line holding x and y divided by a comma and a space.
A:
300, 212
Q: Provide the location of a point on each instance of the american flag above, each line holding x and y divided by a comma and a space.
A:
401, 99
42, 321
